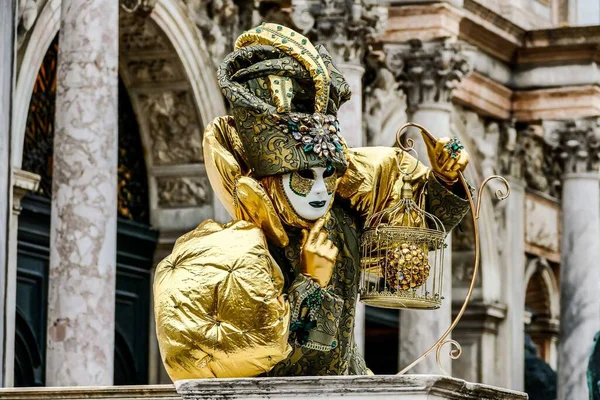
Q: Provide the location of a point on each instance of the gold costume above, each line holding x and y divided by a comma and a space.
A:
230, 300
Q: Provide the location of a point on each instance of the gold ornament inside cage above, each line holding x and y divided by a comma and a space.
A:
402, 256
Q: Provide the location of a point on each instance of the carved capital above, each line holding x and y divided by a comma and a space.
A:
576, 145
428, 72
346, 28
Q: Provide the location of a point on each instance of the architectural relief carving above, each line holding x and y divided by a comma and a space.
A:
176, 137
428, 72
219, 23
183, 192
155, 70
384, 105
138, 36
576, 145
27, 13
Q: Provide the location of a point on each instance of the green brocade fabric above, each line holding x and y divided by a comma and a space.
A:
328, 347
263, 83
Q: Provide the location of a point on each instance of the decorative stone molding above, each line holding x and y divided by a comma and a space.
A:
561, 103
183, 192
384, 105
484, 95
143, 7
576, 145
428, 72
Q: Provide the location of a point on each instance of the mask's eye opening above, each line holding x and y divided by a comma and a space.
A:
330, 170
307, 173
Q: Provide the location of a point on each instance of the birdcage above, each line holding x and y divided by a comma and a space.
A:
402, 251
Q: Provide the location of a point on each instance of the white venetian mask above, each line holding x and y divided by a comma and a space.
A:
310, 191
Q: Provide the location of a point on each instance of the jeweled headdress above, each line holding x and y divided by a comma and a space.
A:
285, 94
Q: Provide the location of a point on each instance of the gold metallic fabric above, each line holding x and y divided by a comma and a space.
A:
373, 180
243, 197
219, 307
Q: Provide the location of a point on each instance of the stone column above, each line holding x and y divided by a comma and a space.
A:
7, 42
511, 352
81, 293
427, 72
577, 145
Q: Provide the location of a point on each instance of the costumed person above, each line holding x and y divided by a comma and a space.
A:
274, 292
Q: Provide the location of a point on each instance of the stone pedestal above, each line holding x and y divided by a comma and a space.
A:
81, 292
579, 281
413, 387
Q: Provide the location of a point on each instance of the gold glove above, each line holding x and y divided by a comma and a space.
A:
447, 157
318, 253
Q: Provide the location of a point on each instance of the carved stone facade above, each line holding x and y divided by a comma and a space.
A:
183, 192
175, 138
428, 72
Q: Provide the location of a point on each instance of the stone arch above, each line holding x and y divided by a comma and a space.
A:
172, 84
543, 302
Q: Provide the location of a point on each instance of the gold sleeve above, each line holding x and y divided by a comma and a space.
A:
373, 180
219, 304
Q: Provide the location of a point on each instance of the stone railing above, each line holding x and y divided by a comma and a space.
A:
414, 387
157, 392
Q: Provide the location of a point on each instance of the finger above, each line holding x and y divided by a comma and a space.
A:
316, 229
440, 149
448, 164
322, 238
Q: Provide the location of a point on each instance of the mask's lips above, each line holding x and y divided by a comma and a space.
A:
318, 204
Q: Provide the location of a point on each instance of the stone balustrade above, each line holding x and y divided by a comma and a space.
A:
383, 387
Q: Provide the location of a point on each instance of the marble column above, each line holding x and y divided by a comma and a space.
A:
350, 114
578, 144
427, 72
81, 292
7, 41
23, 182
511, 337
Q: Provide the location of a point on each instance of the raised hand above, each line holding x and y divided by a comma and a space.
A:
318, 253
447, 157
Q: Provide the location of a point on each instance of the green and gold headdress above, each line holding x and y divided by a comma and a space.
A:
285, 94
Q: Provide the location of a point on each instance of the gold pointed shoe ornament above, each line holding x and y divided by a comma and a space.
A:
402, 254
